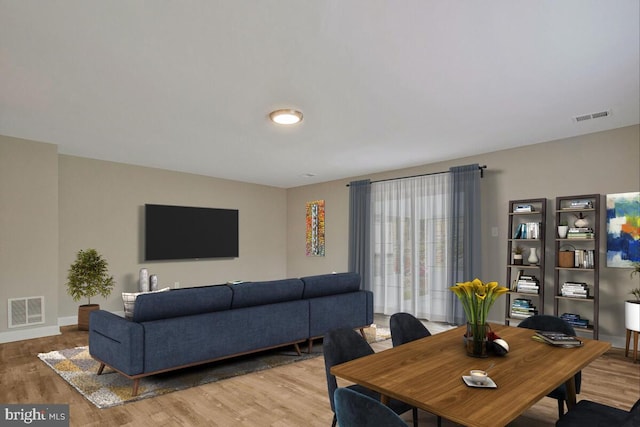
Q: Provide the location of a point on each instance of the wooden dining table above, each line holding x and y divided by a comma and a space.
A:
427, 374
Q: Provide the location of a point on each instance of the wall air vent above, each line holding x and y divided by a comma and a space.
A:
597, 115
25, 311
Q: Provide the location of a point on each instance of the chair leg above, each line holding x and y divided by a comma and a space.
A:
415, 417
560, 408
335, 420
439, 421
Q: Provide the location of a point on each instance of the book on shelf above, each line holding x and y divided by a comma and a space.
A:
575, 320
558, 339
584, 258
527, 230
521, 308
523, 208
580, 204
574, 290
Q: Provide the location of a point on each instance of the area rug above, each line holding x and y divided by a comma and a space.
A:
77, 368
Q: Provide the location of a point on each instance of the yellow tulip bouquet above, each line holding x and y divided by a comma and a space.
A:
477, 298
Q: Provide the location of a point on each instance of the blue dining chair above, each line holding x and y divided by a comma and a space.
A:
406, 328
591, 414
354, 409
544, 322
342, 345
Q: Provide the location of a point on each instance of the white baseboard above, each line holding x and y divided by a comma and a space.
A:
45, 331
27, 334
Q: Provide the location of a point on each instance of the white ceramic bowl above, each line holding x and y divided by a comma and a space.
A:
478, 376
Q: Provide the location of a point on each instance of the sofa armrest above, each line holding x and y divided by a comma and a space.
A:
116, 342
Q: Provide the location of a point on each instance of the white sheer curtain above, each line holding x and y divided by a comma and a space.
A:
410, 245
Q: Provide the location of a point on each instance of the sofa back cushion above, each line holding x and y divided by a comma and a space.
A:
330, 284
249, 294
182, 302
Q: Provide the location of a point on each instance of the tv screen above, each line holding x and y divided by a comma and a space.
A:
181, 232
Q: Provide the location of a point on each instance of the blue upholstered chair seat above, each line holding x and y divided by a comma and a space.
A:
592, 414
355, 409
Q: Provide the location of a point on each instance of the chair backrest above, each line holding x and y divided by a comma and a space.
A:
545, 322
406, 328
339, 346
354, 409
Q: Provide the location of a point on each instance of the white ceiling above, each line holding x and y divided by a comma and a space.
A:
188, 85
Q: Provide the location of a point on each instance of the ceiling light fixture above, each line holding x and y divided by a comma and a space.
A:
286, 117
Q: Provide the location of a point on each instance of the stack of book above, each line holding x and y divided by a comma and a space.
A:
584, 258
558, 339
575, 290
522, 208
575, 320
521, 308
528, 284
580, 204
527, 230
580, 233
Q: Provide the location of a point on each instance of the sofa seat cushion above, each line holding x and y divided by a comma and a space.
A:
182, 302
330, 284
249, 294
182, 341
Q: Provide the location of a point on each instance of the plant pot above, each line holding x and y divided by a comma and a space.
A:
517, 259
562, 231
632, 315
83, 315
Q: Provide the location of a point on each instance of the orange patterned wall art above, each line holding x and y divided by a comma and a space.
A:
315, 228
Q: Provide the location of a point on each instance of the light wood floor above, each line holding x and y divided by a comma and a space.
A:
291, 395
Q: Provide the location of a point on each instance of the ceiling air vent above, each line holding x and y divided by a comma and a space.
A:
597, 115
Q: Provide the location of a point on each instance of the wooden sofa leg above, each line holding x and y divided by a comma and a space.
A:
297, 349
136, 383
363, 334
310, 347
100, 369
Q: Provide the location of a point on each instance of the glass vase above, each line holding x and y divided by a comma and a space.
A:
476, 339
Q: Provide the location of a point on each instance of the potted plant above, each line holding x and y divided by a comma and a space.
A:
88, 276
632, 308
563, 229
517, 255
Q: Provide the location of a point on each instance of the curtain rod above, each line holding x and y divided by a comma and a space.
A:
480, 168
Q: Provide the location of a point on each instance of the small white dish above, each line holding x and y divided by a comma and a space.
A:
488, 384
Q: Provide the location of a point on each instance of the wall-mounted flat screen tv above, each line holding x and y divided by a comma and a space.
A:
182, 232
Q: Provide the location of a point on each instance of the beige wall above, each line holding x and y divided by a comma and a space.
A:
102, 206
28, 227
604, 162
53, 205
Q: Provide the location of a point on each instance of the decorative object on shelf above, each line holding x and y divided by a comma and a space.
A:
581, 221
143, 281
632, 316
88, 276
566, 256
533, 257
153, 282
517, 255
315, 228
623, 229
563, 229
477, 298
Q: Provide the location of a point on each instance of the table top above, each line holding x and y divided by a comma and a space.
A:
427, 373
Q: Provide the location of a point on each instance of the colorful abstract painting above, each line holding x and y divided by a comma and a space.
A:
623, 229
315, 228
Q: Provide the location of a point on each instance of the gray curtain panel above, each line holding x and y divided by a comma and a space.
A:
359, 234
465, 259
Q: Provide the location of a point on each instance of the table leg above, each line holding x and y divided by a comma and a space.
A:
570, 386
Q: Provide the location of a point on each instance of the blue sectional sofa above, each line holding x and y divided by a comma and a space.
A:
187, 327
